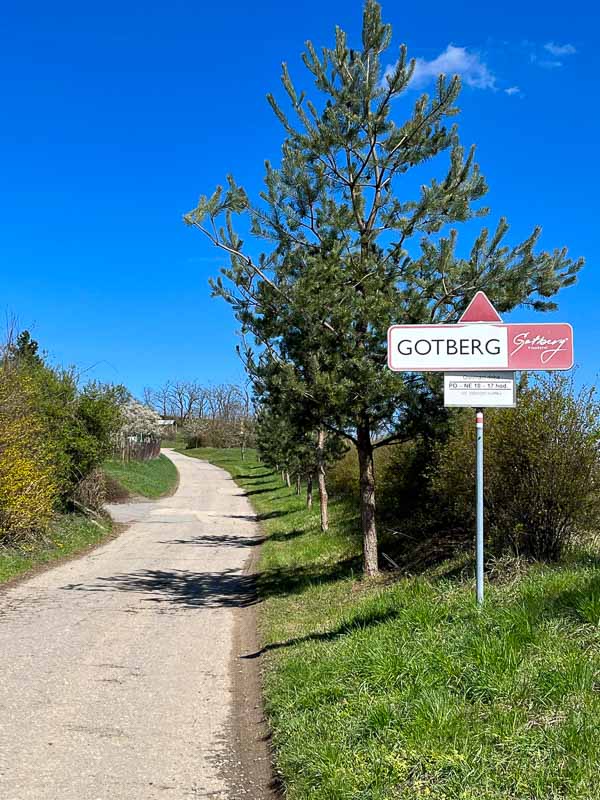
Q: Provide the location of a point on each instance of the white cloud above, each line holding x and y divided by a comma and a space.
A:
560, 49
453, 61
512, 90
557, 51
545, 63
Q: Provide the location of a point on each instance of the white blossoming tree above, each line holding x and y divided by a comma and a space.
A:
139, 436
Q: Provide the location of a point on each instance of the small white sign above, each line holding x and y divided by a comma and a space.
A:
430, 348
486, 390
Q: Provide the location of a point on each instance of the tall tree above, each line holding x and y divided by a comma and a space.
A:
353, 246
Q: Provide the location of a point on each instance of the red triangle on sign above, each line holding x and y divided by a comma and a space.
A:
480, 310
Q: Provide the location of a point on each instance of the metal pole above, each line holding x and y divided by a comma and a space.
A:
479, 494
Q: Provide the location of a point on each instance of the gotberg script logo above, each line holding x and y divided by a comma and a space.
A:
547, 348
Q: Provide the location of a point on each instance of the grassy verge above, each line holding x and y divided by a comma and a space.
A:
177, 442
153, 478
68, 534
400, 688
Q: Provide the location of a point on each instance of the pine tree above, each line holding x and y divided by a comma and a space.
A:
352, 248
290, 394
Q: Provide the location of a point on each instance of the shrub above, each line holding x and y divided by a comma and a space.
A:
541, 469
80, 423
217, 433
27, 488
91, 492
90, 430
342, 477
72, 427
391, 465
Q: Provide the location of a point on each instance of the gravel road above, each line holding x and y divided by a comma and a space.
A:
116, 668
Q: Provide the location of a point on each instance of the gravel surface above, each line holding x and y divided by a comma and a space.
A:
116, 668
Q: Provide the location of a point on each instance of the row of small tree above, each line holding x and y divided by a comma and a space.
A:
355, 243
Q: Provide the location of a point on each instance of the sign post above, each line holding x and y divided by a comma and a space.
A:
479, 500
479, 356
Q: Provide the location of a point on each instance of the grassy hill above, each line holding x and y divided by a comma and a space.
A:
152, 479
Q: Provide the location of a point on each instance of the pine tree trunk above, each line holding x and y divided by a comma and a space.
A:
288, 482
298, 486
323, 498
367, 499
309, 490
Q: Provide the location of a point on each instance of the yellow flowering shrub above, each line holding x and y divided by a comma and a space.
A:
27, 487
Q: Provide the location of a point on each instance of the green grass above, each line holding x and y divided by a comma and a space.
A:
401, 688
68, 534
153, 478
177, 442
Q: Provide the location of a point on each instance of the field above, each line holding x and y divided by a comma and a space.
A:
400, 688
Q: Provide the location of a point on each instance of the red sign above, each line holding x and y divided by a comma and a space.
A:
480, 341
480, 310
540, 346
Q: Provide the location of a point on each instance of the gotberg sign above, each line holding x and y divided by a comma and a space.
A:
479, 356
480, 346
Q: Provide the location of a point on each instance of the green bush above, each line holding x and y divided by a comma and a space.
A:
342, 477
390, 472
53, 437
80, 422
95, 420
542, 464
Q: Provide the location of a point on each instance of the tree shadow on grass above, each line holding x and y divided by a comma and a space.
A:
271, 489
361, 622
286, 536
580, 603
292, 580
266, 471
252, 476
258, 517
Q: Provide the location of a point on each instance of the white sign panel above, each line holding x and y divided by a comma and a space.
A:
489, 390
431, 348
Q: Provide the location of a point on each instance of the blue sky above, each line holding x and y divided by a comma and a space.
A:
116, 117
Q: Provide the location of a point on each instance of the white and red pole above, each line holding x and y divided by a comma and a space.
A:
479, 495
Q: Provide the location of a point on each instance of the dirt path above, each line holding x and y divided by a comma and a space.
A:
117, 676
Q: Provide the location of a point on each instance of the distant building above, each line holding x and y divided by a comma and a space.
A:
168, 427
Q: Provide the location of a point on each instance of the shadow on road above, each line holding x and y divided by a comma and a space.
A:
218, 540
226, 589
180, 588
